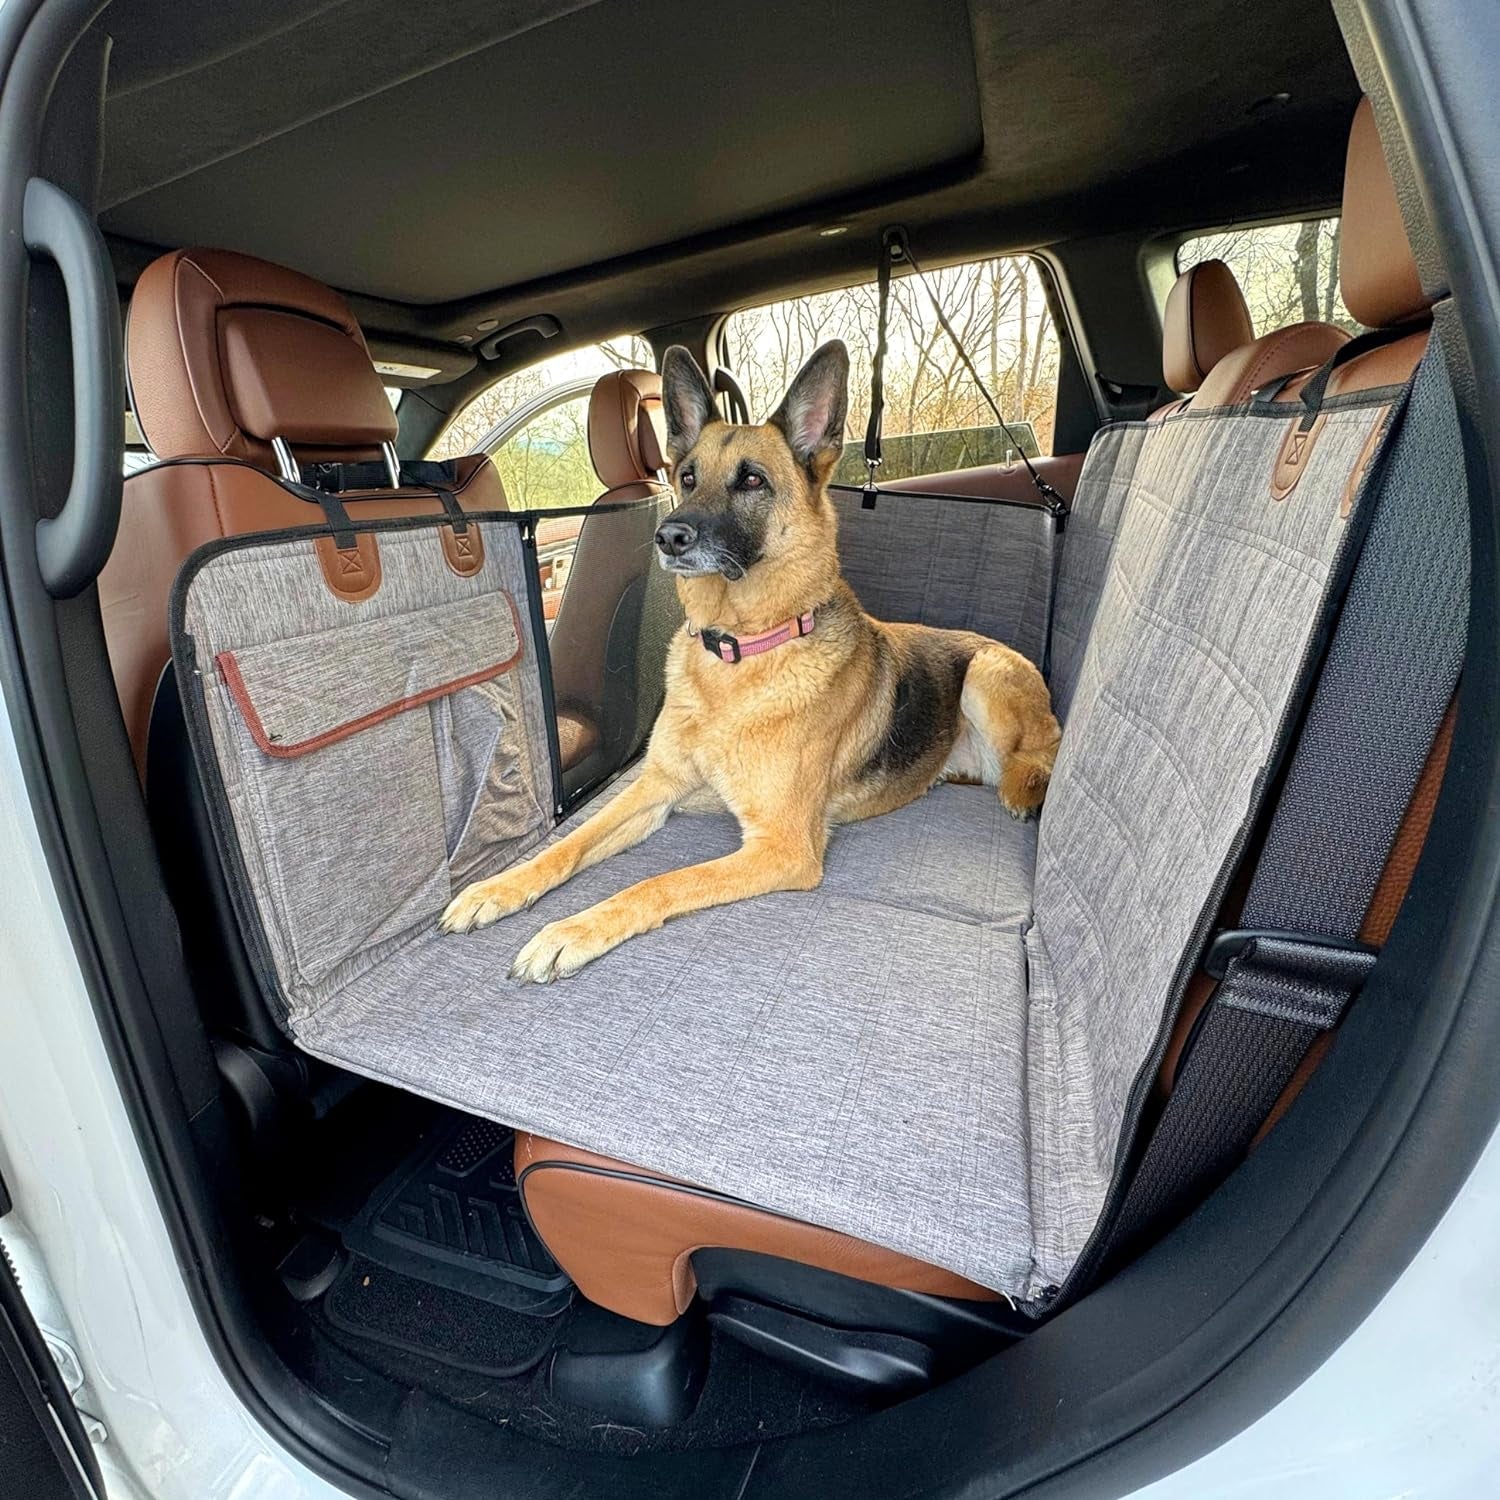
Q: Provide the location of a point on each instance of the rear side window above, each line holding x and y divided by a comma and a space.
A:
534, 424
935, 419
1288, 272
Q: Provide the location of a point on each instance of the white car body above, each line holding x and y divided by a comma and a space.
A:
1406, 1407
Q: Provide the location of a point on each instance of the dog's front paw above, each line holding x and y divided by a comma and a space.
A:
487, 901
561, 949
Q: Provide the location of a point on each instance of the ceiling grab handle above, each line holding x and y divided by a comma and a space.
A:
74, 545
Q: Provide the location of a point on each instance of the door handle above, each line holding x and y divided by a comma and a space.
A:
74, 545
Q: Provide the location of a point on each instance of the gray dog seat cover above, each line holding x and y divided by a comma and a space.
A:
938, 1050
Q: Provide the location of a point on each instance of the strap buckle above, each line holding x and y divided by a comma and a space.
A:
1231, 943
714, 640
1299, 977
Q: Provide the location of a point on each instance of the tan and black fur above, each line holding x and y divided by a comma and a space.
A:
853, 720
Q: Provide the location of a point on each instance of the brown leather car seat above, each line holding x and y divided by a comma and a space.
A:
627, 446
1206, 324
1205, 318
626, 1235
229, 357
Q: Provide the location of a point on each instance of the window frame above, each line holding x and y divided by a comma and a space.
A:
538, 406
1172, 244
1076, 409
472, 389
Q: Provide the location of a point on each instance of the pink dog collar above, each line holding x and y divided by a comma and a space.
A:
732, 648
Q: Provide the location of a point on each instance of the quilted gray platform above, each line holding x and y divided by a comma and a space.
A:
937, 1050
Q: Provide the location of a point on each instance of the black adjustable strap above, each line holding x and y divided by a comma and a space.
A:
892, 249
451, 508
372, 474
1315, 392
324, 483
333, 512
1290, 973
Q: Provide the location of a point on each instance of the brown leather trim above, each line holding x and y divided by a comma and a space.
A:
998, 481
1362, 463
627, 1237
229, 672
1302, 346
352, 573
1296, 449
1401, 863
463, 551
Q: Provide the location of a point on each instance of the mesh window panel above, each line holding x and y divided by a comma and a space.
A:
610, 614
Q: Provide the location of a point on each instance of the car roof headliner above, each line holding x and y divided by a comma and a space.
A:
451, 164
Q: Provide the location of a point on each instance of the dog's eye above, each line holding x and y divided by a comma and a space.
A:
687, 479
753, 481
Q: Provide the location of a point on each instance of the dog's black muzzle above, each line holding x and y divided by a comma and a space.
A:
694, 543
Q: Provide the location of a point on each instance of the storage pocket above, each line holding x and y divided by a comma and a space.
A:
371, 768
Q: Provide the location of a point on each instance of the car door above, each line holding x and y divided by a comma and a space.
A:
541, 452
44, 1452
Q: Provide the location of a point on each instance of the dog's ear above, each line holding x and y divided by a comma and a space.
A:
687, 400
811, 416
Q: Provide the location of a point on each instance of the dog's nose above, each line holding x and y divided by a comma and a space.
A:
675, 537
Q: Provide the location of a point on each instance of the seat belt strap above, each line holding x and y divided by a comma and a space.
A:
1290, 973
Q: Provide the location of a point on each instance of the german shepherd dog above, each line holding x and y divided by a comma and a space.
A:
846, 719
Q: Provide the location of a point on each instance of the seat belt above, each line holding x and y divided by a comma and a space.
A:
1290, 972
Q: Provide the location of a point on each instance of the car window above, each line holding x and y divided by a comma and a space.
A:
1288, 272
935, 418
534, 424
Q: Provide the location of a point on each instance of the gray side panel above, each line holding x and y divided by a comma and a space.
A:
955, 564
351, 848
1103, 487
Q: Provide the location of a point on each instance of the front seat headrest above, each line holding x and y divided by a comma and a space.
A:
1206, 317
627, 428
1377, 270
226, 352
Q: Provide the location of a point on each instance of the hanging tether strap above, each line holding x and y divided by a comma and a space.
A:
892, 248
1290, 972
1050, 497
895, 247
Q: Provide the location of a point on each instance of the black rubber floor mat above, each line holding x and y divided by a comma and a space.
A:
466, 1333
451, 1216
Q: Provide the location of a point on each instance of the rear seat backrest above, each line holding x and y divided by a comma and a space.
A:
1200, 356
226, 352
1175, 625
627, 445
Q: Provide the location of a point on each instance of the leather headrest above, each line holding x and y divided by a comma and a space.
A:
226, 352
1205, 319
1377, 270
627, 428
